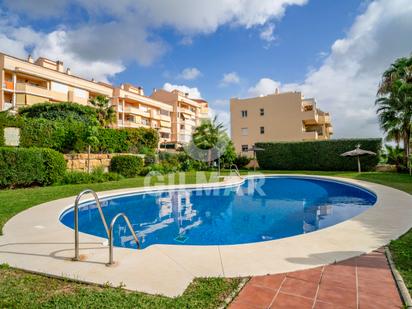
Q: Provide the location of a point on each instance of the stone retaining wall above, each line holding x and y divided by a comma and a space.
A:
78, 161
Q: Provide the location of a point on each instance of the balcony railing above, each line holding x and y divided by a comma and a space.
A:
40, 91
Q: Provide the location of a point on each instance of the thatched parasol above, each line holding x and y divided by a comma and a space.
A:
255, 163
358, 152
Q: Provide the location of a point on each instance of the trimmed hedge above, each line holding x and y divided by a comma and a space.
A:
69, 135
23, 167
127, 166
317, 155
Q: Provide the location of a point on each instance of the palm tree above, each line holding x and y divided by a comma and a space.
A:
395, 103
105, 113
392, 155
208, 135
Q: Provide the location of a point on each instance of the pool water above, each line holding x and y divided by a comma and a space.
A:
260, 209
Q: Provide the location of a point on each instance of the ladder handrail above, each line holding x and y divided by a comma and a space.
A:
121, 214
236, 169
76, 219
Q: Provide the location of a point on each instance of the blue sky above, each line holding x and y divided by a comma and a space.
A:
332, 50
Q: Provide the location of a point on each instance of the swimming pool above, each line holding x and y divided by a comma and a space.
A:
259, 209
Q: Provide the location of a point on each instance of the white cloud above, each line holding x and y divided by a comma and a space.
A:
111, 33
193, 92
190, 74
263, 87
230, 78
346, 83
267, 33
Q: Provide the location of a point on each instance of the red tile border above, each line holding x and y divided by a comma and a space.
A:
361, 282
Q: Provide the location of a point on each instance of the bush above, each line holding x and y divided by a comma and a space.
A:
60, 111
317, 155
22, 167
242, 161
70, 135
128, 166
74, 177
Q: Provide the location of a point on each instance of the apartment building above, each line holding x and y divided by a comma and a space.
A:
134, 110
26, 82
277, 117
186, 115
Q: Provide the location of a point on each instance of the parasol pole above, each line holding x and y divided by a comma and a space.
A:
359, 168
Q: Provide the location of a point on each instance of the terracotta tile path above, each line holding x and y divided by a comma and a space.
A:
362, 282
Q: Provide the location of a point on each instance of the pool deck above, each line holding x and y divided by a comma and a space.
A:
35, 240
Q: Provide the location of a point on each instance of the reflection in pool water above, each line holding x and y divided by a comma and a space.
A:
232, 215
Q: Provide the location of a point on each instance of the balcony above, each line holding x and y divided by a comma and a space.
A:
40, 91
8, 85
324, 119
330, 130
136, 111
186, 111
164, 117
165, 130
310, 117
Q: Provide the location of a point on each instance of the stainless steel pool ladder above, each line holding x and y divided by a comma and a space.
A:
108, 232
235, 169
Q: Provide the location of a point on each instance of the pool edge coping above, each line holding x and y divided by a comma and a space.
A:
230, 258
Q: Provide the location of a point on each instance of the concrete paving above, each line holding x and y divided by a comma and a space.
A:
35, 240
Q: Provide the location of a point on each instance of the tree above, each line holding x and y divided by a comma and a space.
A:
91, 140
208, 136
105, 113
392, 155
395, 103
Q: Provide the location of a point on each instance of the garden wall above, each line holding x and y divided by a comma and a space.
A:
317, 155
78, 161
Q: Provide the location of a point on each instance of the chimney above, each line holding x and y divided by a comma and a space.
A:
93, 80
141, 91
30, 59
68, 71
277, 91
60, 67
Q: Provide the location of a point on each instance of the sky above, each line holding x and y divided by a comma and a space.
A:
334, 51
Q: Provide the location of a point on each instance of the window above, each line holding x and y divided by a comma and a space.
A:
244, 131
262, 130
262, 112
245, 148
244, 114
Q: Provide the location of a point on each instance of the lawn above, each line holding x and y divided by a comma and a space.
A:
20, 289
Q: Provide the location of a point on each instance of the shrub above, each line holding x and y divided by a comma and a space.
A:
60, 111
22, 167
70, 135
74, 177
317, 155
128, 166
242, 161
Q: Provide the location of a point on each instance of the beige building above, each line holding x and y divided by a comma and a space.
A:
277, 117
187, 113
26, 82
134, 110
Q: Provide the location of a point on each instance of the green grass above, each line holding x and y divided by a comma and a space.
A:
19, 289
